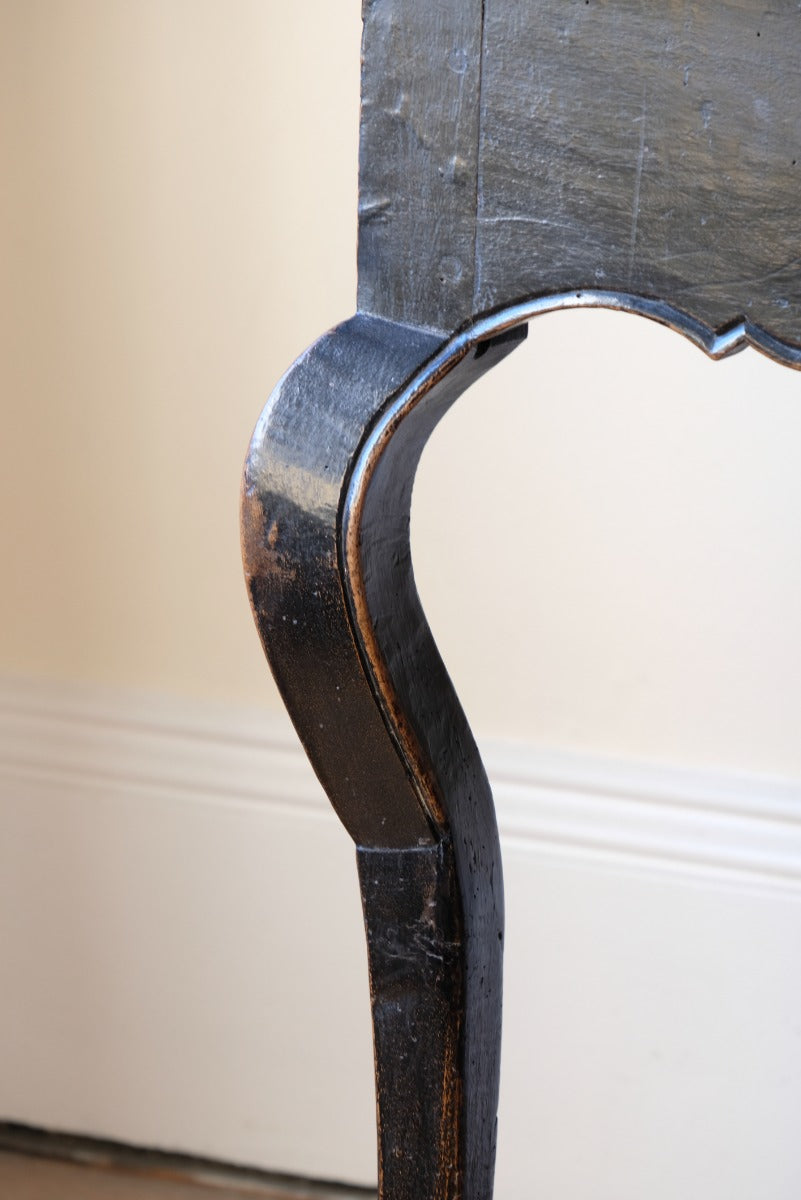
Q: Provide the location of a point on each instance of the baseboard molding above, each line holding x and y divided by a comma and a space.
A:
659, 817
184, 962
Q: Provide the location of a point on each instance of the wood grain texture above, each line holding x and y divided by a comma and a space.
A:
57, 1166
435, 952
648, 149
138, 1176
416, 954
418, 160
513, 151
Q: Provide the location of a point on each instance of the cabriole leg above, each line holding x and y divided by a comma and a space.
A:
326, 500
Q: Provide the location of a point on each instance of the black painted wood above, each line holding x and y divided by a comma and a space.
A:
300, 457
622, 146
516, 157
415, 940
432, 734
653, 149
326, 501
418, 160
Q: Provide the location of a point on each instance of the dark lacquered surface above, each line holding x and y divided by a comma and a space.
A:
516, 156
651, 149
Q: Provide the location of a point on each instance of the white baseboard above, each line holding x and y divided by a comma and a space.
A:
653, 815
183, 962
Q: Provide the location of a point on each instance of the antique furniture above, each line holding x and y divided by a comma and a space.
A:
517, 156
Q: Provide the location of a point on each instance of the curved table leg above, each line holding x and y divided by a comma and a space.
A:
326, 501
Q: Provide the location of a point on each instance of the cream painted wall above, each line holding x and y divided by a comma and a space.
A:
608, 547
179, 189
605, 530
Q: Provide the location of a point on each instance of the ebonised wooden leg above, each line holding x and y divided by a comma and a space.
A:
326, 501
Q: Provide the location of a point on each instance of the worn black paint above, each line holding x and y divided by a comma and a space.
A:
645, 148
627, 146
326, 542
516, 157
